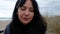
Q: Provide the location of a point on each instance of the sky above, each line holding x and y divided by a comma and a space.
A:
50, 7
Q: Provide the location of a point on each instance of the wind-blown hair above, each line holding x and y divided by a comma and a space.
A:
37, 24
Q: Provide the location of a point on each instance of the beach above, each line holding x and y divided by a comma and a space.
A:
3, 24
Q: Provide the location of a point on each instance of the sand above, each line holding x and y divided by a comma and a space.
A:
3, 24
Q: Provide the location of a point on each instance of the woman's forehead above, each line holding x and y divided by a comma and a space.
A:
28, 3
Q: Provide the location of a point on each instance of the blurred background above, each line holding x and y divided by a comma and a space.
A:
49, 9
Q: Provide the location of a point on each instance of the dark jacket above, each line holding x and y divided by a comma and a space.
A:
23, 30
7, 30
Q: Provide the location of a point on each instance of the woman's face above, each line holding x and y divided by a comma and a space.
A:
26, 12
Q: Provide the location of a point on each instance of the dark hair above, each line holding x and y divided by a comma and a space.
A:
37, 25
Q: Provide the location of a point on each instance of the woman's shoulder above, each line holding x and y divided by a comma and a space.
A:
7, 29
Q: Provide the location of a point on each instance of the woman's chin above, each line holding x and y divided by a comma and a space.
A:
25, 22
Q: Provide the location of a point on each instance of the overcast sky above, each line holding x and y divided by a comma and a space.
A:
51, 7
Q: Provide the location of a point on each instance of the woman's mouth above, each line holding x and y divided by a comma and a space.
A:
26, 19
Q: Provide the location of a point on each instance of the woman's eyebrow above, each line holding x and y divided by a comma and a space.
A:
23, 7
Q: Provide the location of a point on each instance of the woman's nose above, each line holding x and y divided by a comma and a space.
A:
27, 12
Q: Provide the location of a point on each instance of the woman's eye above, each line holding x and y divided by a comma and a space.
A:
31, 10
22, 9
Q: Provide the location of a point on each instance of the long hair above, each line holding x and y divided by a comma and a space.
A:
37, 25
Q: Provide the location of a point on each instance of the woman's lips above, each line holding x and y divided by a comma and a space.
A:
26, 19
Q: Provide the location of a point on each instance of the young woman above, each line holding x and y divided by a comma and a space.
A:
26, 19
